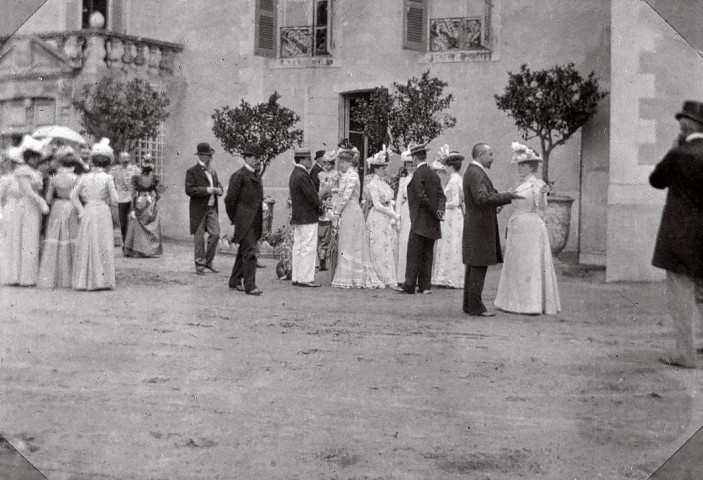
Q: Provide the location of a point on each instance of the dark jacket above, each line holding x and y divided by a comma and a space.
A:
244, 203
306, 204
425, 198
314, 172
480, 242
679, 246
196, 188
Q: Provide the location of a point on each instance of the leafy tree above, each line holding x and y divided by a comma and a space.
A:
550, 104
269, 124
410, 112
122, 112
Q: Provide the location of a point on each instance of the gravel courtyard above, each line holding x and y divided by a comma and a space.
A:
174, 376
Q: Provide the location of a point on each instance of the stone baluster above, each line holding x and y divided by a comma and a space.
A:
140, 59
154, 58
166, 60
73, 48
115, 52
94, 54
128, 53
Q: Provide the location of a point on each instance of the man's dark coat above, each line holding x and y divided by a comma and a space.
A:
425, 199
196, 188
244, 203
305, 201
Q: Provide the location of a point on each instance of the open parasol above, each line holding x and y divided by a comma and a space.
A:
59, 132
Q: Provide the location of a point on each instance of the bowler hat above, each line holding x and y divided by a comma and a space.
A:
302, 153
418, 149
319, 154
204, 148
252, 150
691, 110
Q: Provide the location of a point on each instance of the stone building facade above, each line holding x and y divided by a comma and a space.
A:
323, 55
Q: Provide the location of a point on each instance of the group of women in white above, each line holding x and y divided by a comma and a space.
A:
78, 248
373, 233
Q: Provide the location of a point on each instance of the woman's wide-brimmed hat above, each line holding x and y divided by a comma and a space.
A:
445, 154
347, 154
329, 157
30, 144
14, 154
523, 153
380, 159
147, 161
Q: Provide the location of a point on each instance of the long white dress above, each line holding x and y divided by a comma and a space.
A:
528, 283
402, 208
383, 236
94, 263
9, 196
23, 229
448, 266
354, 268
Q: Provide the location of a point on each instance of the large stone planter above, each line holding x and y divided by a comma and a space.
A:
558, 220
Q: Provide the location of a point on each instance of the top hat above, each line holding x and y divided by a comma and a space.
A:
691, 110
204, 148
414, 150
319, 154
302, 153
252, 150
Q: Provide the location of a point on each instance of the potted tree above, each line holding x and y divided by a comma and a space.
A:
551, 105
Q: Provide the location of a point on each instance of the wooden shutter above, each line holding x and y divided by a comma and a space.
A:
74, 15
117, 14
266, 28
415, 25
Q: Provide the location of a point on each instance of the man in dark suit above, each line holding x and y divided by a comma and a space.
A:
306, 208
244, 204
481, 243
426, 202
316, 169
203, 188
679, 247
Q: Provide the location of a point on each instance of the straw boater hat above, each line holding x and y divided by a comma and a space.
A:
523, 153
415, 149
301, 153
103, 149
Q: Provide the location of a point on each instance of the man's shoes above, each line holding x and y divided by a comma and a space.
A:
200, 271
259, 264
307, 284
295, 284
255, 292
212, 269
676, 361
426, 292
237, 287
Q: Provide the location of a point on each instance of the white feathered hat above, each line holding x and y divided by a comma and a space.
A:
102, 148
523, 153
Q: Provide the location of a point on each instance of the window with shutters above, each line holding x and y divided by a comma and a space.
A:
451, 30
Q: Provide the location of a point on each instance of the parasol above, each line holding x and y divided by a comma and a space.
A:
59, 132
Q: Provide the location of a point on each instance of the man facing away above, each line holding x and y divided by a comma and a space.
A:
203, 188
306, 206
426, 202
316, 169
480, 242
244, 204
679, 246
123, 174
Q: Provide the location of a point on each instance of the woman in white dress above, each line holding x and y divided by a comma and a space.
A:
528, 283
24, 225
56, 268
9, 196
448, 266
94, 263
354, 268
403, 210
382, 221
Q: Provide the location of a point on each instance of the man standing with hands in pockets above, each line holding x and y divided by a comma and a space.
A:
244, 204
480, 242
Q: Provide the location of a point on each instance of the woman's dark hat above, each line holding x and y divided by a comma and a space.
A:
252, 150
204, 148
691, 110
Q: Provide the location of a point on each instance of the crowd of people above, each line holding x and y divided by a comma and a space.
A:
437, 229
59, 210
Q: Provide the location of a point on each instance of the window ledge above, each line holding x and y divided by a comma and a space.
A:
304, 62
459, 57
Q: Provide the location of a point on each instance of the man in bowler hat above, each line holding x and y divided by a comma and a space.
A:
480, 242
203, 188
306, 206
679, 245
316, 169
244, 204
426, 202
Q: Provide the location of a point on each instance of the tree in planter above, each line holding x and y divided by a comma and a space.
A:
407, 113
550, 104
269, 124
122, 112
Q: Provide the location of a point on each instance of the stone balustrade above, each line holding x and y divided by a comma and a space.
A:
99, 49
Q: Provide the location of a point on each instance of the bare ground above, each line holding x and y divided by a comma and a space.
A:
174, 376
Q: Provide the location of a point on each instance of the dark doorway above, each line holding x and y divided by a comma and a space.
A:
354, 130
